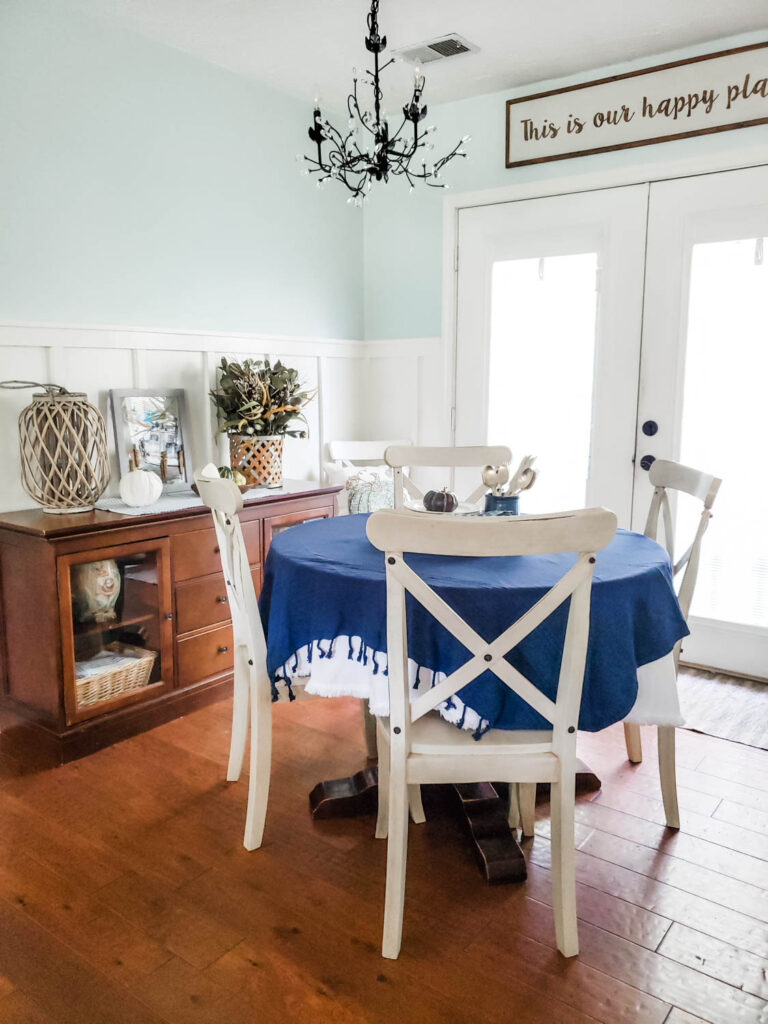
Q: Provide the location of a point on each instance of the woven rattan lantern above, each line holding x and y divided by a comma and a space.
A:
63, 449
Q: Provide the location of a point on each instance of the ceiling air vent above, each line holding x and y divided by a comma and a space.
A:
436, 49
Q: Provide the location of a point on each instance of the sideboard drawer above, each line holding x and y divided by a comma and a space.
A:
205, 655
197, 553
203, 602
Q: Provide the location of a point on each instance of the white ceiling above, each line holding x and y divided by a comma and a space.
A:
308, 47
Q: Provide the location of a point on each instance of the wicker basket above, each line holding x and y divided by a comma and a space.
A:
131, 675
259, 459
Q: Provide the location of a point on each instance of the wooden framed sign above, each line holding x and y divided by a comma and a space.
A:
713, 93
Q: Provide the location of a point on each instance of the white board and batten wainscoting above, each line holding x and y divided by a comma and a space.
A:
366, 389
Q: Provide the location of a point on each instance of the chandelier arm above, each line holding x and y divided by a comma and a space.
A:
353, 97
444, 160
396, 136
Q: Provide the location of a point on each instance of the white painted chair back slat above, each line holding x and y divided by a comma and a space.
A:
415, 749
474, 456
361, 451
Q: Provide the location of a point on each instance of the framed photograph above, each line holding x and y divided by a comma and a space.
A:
150, 427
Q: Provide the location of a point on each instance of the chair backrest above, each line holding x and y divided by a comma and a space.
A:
666, 475
225, 501
475, 456
583, 532
361, 451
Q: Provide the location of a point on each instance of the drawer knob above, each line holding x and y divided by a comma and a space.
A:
216, 550
223, 649
221, 600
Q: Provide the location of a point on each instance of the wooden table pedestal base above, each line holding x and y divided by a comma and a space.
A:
484, 808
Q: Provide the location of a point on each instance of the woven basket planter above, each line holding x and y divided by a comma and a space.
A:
63, 448
259, 459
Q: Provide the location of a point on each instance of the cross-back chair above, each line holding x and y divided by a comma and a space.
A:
673, 476
417, 747
252, 691
344, 455
361, 452
471, 457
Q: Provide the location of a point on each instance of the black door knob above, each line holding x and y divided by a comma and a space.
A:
650, 427
647, 461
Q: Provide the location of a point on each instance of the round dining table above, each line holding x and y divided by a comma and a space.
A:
323, 607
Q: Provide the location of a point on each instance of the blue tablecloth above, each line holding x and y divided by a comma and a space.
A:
324, 580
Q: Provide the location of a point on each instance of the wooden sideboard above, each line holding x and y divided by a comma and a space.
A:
170, 622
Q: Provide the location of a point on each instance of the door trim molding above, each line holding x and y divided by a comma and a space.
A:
637, 174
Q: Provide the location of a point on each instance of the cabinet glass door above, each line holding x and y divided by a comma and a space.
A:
116, 626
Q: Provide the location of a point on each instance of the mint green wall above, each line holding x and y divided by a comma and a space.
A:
141, 186
403, 232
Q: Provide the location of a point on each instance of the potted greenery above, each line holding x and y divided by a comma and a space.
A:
256, 405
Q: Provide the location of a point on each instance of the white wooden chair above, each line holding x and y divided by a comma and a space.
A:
348, 457
252, 687
417, 747
361, 452
666, 476
342, 456
475, 456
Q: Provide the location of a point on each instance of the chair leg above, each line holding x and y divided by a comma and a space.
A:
633, 742
564, 866
526, 796
418, 817
513, 806
397, 849
261, 757
239, 716
382, 816
668, 775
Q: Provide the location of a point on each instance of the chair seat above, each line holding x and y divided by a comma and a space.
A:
433, 735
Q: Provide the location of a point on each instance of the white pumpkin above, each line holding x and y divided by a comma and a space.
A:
140, 487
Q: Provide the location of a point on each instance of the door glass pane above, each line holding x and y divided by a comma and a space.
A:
542, 355
116, 625
725, 426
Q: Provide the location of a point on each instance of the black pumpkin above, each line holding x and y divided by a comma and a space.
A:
440, 501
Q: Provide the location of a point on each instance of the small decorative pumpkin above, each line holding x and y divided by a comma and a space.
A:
140, 487
440, 501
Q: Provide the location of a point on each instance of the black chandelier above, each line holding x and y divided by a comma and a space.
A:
367, 152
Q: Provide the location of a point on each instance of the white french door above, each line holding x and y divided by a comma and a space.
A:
550, 296
703, 380
603, 329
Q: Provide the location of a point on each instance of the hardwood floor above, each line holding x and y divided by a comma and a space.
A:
126, 895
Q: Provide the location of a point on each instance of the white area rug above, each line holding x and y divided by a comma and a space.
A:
734, 709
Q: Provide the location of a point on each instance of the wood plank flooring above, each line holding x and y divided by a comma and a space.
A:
126, 896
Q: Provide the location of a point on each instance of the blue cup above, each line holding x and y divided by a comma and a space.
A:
502, 504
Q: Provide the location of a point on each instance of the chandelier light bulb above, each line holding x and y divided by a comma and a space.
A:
376, 144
